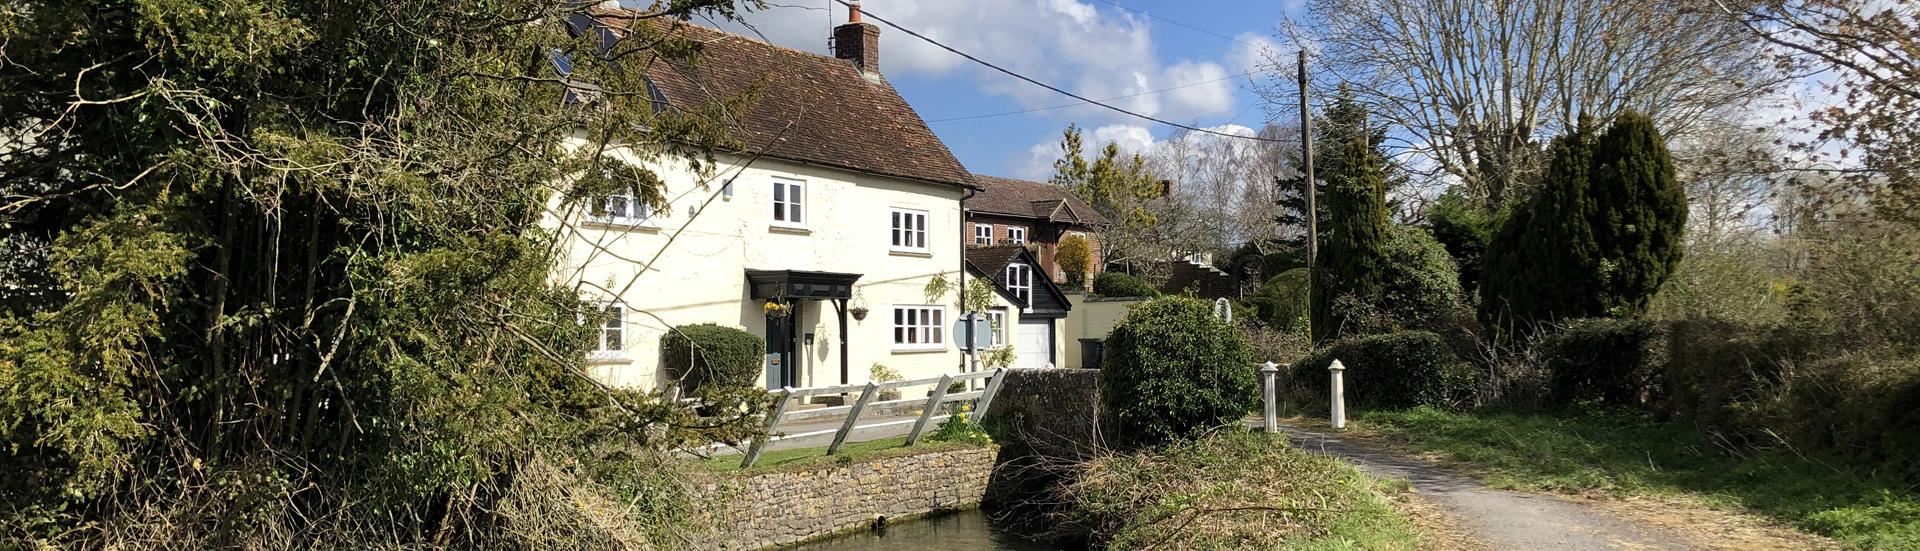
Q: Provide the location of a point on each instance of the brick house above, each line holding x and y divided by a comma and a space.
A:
1024, 212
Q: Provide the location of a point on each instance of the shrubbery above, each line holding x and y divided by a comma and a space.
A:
1281, 302
1173, 370
1612, 362
704, 356
1116, 284
1395, 371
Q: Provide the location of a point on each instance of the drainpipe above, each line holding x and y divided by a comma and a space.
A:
967, 359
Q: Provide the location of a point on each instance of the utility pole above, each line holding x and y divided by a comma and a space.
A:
1313, 214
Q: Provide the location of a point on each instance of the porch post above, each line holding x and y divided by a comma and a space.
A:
840, 306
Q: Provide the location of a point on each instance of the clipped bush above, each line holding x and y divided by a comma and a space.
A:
1173, 370
1281, 302
1116, 284
1393, 371
706, 355
1609, 361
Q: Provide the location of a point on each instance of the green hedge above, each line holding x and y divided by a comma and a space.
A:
706, 356
1608, 361
1393, 371
1116, 284
1172, 370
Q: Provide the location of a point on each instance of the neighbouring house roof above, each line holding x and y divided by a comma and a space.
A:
812, 109
991, 262
1030, 199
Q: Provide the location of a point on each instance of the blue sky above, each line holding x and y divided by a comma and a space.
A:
1092, 47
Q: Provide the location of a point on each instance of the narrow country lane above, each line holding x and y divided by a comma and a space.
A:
1507, 520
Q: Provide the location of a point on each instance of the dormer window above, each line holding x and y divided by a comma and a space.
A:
1020, 283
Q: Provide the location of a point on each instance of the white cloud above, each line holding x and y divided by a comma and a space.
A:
1037, 163
1207, 88
1097, 53
1253, 52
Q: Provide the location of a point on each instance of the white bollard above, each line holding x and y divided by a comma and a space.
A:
1267, 372
1339, 396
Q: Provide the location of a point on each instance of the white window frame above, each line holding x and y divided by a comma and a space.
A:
614, 327
983, 235
1019, 278
997, 324
1016, 235
911, 236
790, 195
631, 212
919, 327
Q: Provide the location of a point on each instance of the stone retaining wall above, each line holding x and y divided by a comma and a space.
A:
786, 507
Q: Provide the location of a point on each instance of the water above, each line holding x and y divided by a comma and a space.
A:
969, 530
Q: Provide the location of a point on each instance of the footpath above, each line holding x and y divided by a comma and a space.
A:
1504, 519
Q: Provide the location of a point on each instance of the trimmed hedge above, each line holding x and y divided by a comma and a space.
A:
1116, 284
1609, 361
1393, 371
706, 355
1172, 370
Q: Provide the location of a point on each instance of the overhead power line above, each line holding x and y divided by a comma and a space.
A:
1057, 89
1066, 105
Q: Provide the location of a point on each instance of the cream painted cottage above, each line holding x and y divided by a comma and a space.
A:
842, 212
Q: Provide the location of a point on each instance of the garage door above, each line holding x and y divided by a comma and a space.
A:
1035, 343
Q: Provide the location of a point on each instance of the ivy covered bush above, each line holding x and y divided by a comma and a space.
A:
1610, 361
1116, 284
1394, 371
704, 356
1173, 370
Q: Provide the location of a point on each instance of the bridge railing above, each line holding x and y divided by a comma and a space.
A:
930, 406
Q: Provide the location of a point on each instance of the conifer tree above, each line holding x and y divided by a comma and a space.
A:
1353, 242
1643, 212
1597, 238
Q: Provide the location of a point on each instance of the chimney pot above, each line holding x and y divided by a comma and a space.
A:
853, 12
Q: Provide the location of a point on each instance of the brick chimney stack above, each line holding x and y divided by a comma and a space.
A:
858, 41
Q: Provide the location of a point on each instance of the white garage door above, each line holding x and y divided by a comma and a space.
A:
1034, 344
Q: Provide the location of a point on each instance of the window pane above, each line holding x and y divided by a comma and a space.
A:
778, 211
793, 212
779, 192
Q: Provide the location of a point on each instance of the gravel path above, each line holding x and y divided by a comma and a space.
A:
1507, 520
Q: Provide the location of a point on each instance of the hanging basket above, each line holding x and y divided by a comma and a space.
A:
859, 313
776, 309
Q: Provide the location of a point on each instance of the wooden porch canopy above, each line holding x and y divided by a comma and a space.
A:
798, 284
766, 284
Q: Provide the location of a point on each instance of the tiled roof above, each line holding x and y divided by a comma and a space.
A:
1030, 199
812, 109
992, 259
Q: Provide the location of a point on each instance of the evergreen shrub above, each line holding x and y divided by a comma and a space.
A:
1173, 370
1393, 371
1116, 284
1610, 361
705, 355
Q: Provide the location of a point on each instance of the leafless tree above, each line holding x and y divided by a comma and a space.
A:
1867, 54
1474, 86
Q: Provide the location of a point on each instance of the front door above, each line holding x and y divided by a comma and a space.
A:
1034, 344
779, 349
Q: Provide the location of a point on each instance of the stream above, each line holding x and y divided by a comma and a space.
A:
970, 530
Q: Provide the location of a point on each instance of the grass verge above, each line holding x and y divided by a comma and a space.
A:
809, 458
1625, 454
1234, 491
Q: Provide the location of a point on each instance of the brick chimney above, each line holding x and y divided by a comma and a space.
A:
857, 41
